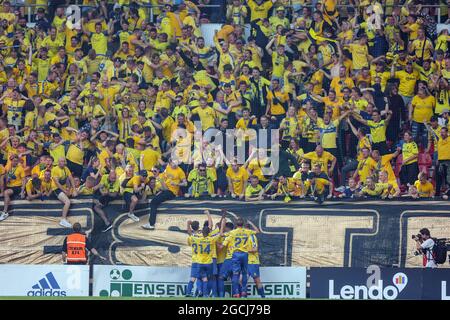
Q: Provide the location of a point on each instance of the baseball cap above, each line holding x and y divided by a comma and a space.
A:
280, 9
445, 111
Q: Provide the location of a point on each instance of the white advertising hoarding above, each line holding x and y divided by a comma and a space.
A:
44, 280
140, 281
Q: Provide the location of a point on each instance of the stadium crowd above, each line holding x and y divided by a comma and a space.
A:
118, 106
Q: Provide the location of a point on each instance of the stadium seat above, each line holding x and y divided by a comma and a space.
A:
425, 162
425, 159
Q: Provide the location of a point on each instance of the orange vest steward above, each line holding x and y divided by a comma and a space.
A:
76, 248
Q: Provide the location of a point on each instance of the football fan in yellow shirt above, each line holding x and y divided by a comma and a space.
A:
378, 130
99, 40
422, 106
149, 158
366, 166
420, 111
408, 78
15, 183
276, 101
278, 59
360, 53
62, 182
410, 153
165, 96
443, 155
237, 178
259, 9
425, 188
321, 157
205, 113
174, 177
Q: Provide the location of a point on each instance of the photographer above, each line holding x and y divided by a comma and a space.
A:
424, 245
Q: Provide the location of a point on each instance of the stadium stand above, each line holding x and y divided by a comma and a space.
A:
153, 101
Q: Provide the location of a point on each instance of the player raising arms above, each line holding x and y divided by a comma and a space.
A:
253, 258
239, 240
215, 233
224, 255
202, 257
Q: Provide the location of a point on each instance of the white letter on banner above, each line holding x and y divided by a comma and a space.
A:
331, 294
444, 295
318, 240
347, 292
73, 15
375, 275
74, 278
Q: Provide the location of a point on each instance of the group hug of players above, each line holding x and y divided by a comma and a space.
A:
220, 252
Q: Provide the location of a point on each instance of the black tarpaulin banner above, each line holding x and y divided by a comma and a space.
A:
300, 233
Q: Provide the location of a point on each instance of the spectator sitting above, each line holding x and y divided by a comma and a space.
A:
287, 188
422, 187
33, 189
202, 182
254, 191
89, 188
301, 178
391, 187
372, 189
271, 189
366, 166
350, 191
152, 188
320, 184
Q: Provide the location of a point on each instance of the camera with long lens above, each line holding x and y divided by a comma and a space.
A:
417, 237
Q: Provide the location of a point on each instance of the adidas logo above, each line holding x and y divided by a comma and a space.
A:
47, 287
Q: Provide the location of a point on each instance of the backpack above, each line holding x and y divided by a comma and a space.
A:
439, 251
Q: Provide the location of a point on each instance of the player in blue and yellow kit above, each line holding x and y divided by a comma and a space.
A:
239, 244
224, 255
202, 258
214, 233
253, 260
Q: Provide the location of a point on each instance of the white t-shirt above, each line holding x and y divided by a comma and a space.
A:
428, 245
